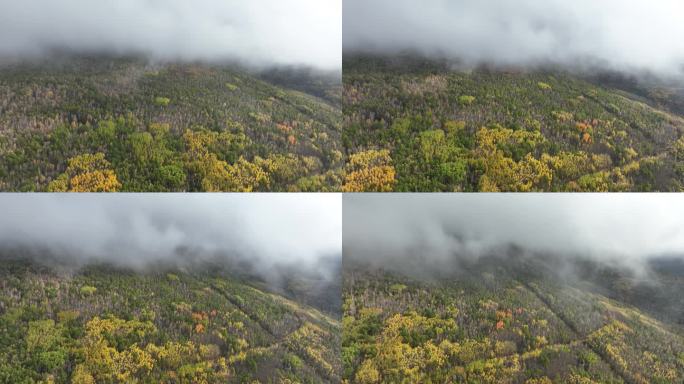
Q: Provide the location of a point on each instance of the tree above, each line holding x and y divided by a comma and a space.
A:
209, 173
87, 290
433, 146
466, 99
370, 171
497, 147
87, 173
242, 176
286, 169
45, 342
123, 362
162, 101
367, 373
81, 376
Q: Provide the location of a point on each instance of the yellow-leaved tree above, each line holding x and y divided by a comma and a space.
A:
209, 173
370, 171
496, 148
104, 362
87, 173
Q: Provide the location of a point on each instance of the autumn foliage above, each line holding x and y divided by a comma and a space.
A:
87, 173
137, 119
369, 171
491, 130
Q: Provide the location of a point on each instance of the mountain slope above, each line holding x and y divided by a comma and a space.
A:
500, 320
446, 129
102, 324
125, 124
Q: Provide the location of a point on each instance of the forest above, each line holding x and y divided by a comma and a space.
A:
514, 317
414, 124
99, 323
96, 123
105, 124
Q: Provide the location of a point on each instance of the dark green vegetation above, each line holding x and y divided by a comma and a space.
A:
101, 124
515, 320
496, 130
107, 325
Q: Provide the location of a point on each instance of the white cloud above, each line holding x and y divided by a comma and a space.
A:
256, 32
133, 229
439, 227
630, 35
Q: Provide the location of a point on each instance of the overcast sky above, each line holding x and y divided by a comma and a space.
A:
132, 229
631, 35
438, 227
256, 32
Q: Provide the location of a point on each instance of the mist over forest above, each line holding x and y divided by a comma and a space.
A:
213, 288
637, 36
257, 34
423, 234
516, 288
265, 237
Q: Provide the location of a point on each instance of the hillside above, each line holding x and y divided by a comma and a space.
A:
115, 124
417, 125
514, 319
106, 325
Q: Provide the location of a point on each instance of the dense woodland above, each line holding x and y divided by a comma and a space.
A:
417, 125
114, 124
101, 324
514, 320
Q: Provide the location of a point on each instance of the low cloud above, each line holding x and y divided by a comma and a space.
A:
631, 36
429, 231
258, 33
266, 232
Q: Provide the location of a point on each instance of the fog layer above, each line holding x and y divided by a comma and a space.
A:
266, 231
430, 230
254, 32
632, 35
